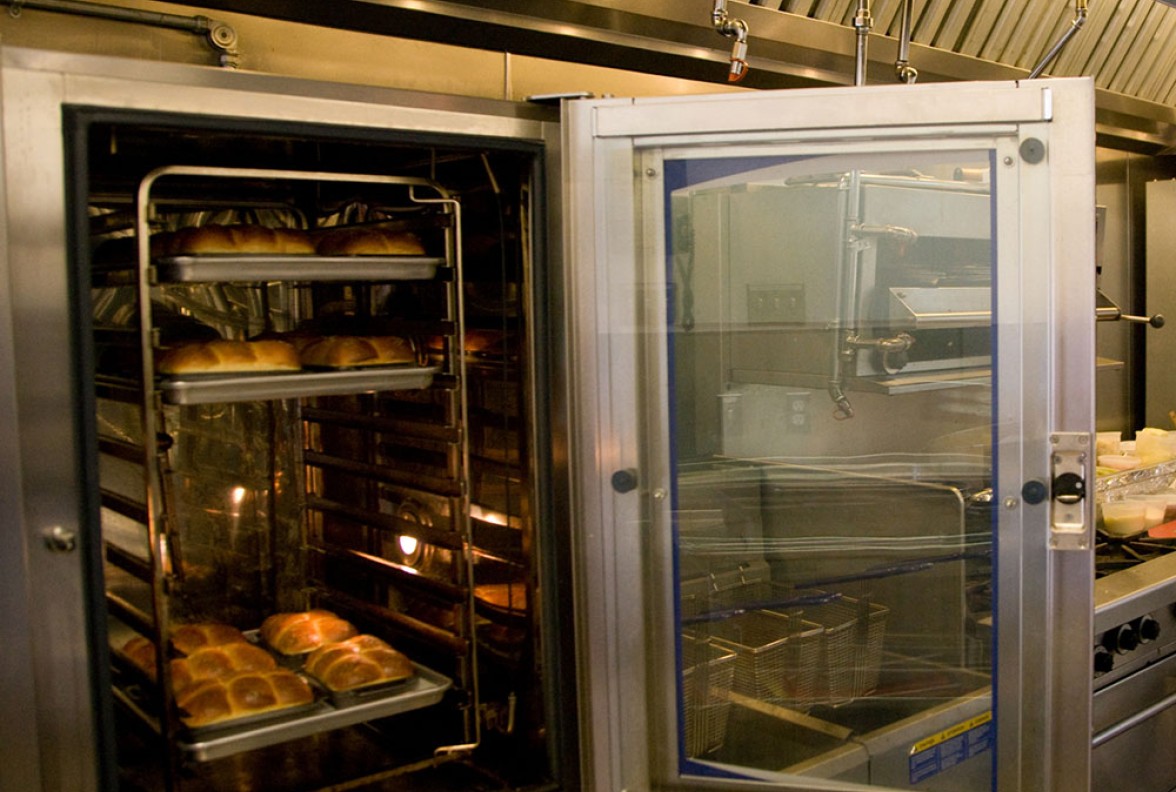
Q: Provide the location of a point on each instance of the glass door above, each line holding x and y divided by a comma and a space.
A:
826, 377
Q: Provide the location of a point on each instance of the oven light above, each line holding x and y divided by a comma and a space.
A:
236, 495
410, 548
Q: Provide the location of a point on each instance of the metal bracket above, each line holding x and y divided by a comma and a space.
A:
1068, 527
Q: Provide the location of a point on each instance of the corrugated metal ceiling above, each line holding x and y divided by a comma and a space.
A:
1127, 46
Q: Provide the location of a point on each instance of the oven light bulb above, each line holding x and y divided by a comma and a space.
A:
410, 548
236, 495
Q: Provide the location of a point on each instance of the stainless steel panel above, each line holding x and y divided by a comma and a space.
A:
1118, 39
1162, 26
19, 749
1140, 754
47, 444
981, 26
1160, 277
1128, 77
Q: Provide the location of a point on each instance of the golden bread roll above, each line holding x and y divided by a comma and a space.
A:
187, 638
348, 351
300, 339
241, 695
202, 240
219, 662
221, 357
357, 662
141, 652
368, 242
512, 596
304, 631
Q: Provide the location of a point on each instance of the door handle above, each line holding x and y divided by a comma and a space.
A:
1113, 731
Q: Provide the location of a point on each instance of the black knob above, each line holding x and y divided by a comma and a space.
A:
1122, 639
1069, 488
624, 480
1148, 629
1104, 661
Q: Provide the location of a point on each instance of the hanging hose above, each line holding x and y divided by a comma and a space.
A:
1076, 25
736, 29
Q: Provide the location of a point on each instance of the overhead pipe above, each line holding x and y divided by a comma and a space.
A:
903, 69
735, 29
862, 23
220, 36
1075, 25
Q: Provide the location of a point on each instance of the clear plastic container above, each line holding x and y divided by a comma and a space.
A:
1125, 518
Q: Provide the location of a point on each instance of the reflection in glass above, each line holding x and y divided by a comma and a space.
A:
831, 346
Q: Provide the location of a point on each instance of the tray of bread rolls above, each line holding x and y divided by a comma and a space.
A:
299, 674
221, 370
239, 253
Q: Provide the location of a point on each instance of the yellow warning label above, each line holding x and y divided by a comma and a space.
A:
954, 731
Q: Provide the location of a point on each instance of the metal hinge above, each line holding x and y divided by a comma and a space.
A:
1069, 529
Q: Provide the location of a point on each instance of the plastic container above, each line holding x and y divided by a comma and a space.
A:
1155, 509
1118, 461
1108, 443
1154, 446
1124, 518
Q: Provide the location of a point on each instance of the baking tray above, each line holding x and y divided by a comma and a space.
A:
424, 690
239, 267
358, 695
219, 388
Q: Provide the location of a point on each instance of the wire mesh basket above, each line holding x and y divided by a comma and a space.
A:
707, 675
726, 589
776, 656
868, 648
851, 652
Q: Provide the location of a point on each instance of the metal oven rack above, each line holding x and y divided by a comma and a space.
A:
343, 536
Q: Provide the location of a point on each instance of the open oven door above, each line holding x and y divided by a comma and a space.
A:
833, 395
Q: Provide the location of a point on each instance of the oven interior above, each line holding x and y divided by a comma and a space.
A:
406, 500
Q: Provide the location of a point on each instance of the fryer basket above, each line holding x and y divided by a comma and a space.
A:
708, 672
776, 656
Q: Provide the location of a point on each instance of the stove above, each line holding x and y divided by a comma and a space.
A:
1134, 648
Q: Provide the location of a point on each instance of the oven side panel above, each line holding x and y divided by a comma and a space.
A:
46, 626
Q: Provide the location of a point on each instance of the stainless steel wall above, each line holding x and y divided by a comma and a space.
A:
326, 53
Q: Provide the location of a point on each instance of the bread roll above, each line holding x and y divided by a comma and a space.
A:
368, 242
221, 357
202, 240
219, 662
241, 695
357, 662
350, 351
511, 596
141, 652
187, 638
302, 632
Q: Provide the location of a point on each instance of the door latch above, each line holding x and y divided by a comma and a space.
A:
1069, 528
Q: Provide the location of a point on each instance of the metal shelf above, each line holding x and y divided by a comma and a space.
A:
424, 690
237, 268
223, 388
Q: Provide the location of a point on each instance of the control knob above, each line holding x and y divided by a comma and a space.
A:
1104, 661
1122, 639
1148, 629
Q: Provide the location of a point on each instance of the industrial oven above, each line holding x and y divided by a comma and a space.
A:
730, 446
